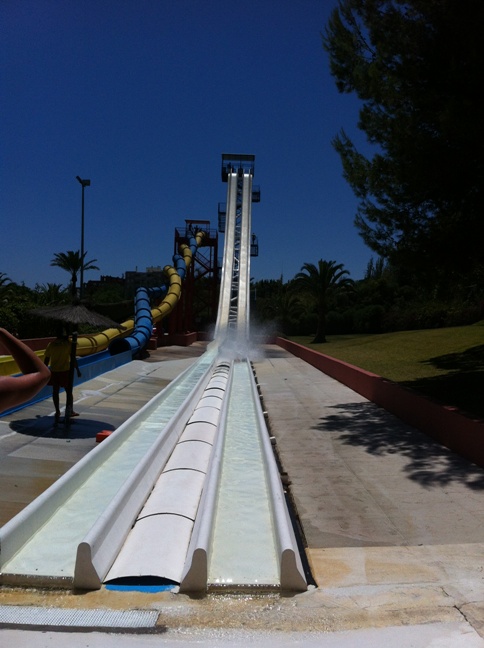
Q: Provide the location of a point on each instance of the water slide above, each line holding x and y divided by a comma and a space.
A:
98, 349
137, 331
160, 496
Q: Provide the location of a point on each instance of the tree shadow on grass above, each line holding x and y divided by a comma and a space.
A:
469, 360
379, 433
463, 384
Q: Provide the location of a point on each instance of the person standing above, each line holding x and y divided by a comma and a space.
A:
58, 356
16, 390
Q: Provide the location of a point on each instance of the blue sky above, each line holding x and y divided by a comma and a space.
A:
142, 97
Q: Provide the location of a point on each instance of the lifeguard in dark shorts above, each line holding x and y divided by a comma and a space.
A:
58, 357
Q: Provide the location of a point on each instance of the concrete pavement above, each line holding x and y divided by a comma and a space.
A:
392, 521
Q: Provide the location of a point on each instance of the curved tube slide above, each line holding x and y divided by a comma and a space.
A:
143, 328
145, 316
137, 331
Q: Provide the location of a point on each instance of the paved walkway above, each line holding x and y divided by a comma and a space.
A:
392, 521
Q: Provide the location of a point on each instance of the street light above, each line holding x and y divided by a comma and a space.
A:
83, 183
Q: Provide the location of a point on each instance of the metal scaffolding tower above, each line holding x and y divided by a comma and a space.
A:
234, 302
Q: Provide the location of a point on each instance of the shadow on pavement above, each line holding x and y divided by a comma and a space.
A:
368, 426
43, 426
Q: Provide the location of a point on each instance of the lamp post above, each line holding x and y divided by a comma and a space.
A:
84, 184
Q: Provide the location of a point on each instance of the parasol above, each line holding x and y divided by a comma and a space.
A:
75, 314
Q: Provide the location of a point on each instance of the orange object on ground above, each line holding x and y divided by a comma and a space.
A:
100, 436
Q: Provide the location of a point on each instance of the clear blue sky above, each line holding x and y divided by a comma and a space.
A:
142, 97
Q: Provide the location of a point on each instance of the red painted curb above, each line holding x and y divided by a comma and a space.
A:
449, 426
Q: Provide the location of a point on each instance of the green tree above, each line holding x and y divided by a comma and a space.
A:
283, 307
322, 282
5, 284
108, 293
15, 302
50, 293
375, 269
4, 280
416, 66
72, 262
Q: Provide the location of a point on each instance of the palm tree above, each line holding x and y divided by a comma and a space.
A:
5, 282
72, 262
322, 282
50, 293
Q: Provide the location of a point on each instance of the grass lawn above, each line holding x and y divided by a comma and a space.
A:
445, 364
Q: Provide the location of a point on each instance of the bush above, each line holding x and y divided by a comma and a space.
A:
9, 320
369, 319
430, 315
305, 325
339, 323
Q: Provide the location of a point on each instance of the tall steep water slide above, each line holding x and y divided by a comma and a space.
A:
187, 491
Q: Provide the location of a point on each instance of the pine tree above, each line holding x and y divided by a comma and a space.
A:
417, 68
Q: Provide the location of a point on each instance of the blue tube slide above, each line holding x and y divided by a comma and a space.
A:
143, 329
138, 340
